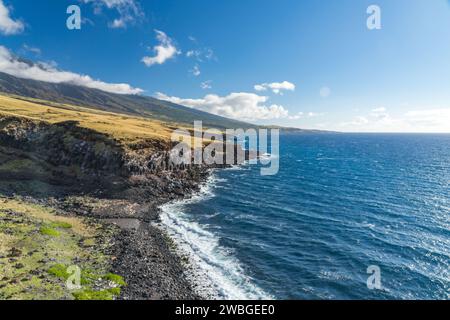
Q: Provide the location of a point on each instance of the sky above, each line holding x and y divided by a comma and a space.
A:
307, 64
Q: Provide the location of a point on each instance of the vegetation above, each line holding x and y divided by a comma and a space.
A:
134, 105
125, 128
38, 247
129, 130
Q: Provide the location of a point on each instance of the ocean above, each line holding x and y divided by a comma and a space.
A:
341, 203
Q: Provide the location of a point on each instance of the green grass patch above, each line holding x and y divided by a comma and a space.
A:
62, 225
37, 247
49, 231
93, 295
116, 279
59, 271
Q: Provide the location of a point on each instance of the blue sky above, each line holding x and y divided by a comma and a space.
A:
308, 64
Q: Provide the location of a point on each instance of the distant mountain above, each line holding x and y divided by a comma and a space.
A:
136, 105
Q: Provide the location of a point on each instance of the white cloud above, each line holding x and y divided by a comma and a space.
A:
356, 122
118, 23
192, 53
433, 120
8, 26
196, 71
34, 50
379, 110
10, 64
241, 106
297, 116
129, 11
164, 51
201, 55
421, 120
206, 85
301, 115
276, 87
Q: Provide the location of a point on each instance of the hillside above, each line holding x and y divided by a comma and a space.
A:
134, 105
80, 188
125, 128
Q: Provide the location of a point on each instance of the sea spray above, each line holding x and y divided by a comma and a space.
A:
215, 272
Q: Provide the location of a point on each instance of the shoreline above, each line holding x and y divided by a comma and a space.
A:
77, 172
69, 171
196, 277
213, 270
149, 258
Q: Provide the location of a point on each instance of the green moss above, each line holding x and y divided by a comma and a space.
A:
62, 225
49, 231
116, 279
87, 277
115, 291
96, 295
59, 271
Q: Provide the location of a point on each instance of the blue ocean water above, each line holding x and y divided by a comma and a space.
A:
340, 203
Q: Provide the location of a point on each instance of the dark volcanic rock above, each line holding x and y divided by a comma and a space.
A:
150, 269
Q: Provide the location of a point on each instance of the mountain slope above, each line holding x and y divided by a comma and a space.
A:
127, 104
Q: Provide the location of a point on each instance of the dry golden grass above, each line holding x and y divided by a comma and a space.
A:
125, 128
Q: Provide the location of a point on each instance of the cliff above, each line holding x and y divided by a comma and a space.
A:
81, 187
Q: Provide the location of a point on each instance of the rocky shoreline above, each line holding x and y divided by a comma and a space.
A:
143, 253
82, 173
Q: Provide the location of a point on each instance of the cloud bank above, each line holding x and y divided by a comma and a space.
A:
8, 26
11, 65
241, 106
165, 50
419, 120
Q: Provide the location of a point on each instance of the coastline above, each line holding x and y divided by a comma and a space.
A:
73, 172
149, 258
213, 269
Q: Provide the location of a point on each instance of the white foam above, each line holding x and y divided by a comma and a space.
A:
216, 273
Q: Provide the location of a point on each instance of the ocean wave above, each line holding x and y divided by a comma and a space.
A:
216, 272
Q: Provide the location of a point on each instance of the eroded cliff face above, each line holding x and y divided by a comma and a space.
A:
87, 176
62, 144
64, 157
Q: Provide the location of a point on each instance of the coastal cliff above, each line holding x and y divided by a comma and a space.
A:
57, 173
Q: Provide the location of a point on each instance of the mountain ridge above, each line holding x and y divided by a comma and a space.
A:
135, 105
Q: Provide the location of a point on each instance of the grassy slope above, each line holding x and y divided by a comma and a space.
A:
135, 105
36, 248
36, 245
121, 127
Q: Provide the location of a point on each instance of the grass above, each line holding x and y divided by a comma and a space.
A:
115, 278
37, 247
127, 129
60, 271
49, 232
107, 294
